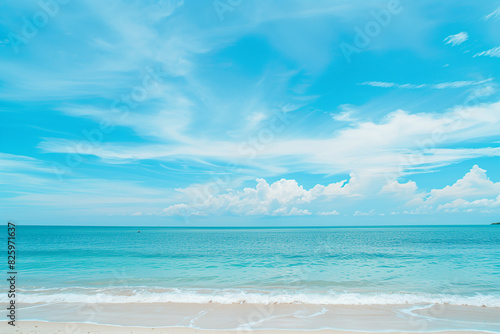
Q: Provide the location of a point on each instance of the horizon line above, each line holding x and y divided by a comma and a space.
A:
249, 226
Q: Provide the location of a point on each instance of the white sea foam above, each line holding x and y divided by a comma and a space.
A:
233, 296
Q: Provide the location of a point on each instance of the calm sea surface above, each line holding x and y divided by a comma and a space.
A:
354, 266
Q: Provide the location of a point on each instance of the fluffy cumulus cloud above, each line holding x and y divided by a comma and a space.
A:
474, 184
281, 198
457, 39
474, 192
293, 212
395, 188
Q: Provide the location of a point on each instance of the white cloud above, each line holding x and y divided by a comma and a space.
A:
361, 213
484, 91
282, 197
464, 205
287, 198
329, 213
418, 211
18, 163
400, 189
346, 113
459, 84
495, 52
399, 143
181, 210
293, 212
457, 39
35, 184
473, 185
380, 84
442, 85
345, 116
495, 15
475, 191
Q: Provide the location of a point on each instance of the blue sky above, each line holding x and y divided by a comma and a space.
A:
250, 112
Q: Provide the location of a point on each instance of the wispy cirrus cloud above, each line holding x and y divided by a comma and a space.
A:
329, 213
30, 182
363, 213
495, 52
367, 147
442, 85
457, 39
494, 15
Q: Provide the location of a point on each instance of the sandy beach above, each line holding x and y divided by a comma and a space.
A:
39, 327
73, 318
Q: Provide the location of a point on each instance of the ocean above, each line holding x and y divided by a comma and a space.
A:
456, 265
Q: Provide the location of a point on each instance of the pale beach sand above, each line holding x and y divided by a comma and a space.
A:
78, 318
38, 327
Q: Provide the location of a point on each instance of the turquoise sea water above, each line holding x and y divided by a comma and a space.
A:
353, 266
